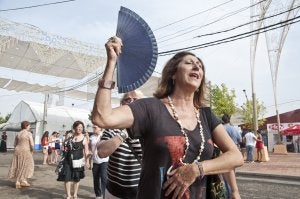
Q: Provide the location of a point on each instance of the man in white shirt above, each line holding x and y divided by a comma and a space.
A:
250, 144
99, 164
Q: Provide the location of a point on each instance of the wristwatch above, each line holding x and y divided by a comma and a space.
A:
108, 84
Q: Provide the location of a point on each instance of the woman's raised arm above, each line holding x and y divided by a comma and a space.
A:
103, 114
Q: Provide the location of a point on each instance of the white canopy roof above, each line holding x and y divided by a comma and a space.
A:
89, 94
26, 47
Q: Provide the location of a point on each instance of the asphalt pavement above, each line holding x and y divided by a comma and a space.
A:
45, 186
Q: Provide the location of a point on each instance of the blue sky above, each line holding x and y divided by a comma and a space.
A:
94, 21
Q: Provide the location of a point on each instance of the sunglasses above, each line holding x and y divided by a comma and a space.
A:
129, 100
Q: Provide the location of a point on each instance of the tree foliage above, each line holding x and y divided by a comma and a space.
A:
222, 100
247, 113
4, 119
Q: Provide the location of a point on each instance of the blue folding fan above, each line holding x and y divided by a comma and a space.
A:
137, 61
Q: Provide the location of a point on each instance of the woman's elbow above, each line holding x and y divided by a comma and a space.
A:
103, 122
95, 117
101, 155
239, 160
97, 120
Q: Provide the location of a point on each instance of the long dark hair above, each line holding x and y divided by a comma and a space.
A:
77, 123
24, 124
46, 134
166, 86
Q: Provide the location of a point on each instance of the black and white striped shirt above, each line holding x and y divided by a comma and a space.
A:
124, 169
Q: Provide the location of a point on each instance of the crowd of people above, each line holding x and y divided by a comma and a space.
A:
114, 157
246, 141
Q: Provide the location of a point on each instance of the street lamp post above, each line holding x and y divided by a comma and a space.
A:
246, 95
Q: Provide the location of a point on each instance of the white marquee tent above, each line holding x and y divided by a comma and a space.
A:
59, 118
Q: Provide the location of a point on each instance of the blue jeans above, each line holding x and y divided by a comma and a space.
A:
250, 153
100, 178
228, 189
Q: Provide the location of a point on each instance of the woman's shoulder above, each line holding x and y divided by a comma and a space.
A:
150, 100
147, 102
205, 108
23, 132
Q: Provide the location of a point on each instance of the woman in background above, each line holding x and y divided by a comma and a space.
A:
45, 146
22, 165
52, 152
57, 146
259, 147
3, 147
75, 153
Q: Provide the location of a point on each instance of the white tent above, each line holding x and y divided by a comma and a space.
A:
59, 118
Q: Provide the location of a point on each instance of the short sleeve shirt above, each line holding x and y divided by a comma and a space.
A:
94, 139
250, 139
163, 144
233, 133
123, 172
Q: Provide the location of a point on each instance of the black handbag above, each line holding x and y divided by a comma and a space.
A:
215, 183
216, 187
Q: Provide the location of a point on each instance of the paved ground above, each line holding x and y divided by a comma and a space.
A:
286, 165
45, 186
279, 178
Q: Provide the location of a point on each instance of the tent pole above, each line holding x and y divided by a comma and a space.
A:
45, 113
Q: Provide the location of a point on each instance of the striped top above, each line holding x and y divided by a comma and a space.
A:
123, 172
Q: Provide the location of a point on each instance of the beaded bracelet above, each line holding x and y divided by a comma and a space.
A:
200, 167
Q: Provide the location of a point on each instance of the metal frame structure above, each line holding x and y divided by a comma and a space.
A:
256, 13
275, 40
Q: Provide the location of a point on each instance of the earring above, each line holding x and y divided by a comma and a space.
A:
173, 81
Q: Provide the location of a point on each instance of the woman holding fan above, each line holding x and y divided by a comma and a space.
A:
177, 131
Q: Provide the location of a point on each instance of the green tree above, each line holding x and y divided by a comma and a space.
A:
4, 119
247, 113
90, 116
222, 100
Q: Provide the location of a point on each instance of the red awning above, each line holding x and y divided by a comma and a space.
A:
292, 130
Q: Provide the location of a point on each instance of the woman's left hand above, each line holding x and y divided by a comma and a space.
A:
180, 179
235, 195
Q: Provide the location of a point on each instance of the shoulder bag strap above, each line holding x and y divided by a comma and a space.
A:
133, 151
